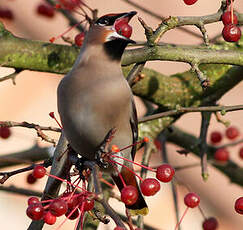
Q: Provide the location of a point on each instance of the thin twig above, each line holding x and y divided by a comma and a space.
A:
38, 129
206, 116
153, 14
7, 175
181, 110
28, 125
35, 153
201, 76
20, 191
72, 20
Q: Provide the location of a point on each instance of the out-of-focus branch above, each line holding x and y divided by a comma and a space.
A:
31, 155
188, 141
6, 175
20, 191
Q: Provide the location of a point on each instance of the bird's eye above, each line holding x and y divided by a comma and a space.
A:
103, 22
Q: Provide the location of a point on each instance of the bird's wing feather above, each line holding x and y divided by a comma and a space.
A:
134, 127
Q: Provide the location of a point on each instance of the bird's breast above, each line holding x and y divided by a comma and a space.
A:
89, 110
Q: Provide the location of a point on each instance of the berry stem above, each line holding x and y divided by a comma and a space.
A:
115, 162
201, 211
106, 182
232, 12
67, 218
143, 166
129, 146
177, 225
58, 178
119, 174
68, 30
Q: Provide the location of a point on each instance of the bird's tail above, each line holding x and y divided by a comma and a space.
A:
139, 207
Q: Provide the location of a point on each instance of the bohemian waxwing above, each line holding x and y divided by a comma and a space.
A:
94, 98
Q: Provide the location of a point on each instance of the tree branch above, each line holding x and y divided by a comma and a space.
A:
31, 155
187, 141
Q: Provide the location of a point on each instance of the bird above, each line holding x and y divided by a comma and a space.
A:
94, 98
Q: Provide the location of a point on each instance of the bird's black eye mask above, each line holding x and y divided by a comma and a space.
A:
108, 19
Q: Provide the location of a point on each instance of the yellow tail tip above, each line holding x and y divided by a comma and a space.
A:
136, 212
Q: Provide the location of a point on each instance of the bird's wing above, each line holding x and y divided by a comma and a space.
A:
134, 127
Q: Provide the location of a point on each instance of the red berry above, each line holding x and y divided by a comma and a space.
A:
165, 173
221, 155
51, 114
70, 4
49, 218
35, 211
191, 200
6, 13
119, 228
79, 39
227, 19
239, 205
88, 205
46, 10
31, 179
122, 27
150, 186
73, 216
5, 132
241, 153
215, 137
125, 30
33, 200
72, 202
232, 132
210, 224
39, 171
129, 195
231, 33
189, 2
58, 207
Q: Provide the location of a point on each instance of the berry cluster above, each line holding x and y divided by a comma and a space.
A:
148, 186
222, 154
48, 10
70, 203
231, 32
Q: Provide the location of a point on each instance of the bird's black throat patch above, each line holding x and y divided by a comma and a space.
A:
115, 48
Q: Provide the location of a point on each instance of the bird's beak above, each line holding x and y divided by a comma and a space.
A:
127, 17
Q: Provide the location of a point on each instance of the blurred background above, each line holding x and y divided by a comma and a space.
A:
34, 96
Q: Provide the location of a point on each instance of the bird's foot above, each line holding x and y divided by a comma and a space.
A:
101, 154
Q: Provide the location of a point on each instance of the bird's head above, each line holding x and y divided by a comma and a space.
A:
104, 31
